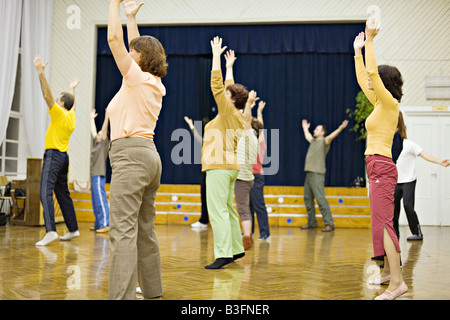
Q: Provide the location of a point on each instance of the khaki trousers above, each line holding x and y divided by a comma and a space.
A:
315, 188
134, 250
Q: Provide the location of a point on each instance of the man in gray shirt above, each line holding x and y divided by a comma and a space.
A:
315, 174
99, 154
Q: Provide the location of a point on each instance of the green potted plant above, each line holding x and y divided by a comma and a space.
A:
363, 108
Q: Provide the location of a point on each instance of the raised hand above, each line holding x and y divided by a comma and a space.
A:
40, 67
371, 29
93, 114
261, 106
189, 122
230, 58
359, 42
131, 7
252, 98
305, 124
216, 46
344, 124
74, 83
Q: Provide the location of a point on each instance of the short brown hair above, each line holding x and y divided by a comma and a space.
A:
153, 55
239, 94
68, 100
392, 80
257, 126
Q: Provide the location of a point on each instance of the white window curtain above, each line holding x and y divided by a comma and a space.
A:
36, 39
10, 17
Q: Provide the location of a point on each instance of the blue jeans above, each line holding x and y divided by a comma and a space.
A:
99, 202
54, 179
258, 205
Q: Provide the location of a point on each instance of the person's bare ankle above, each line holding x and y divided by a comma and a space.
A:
394, 284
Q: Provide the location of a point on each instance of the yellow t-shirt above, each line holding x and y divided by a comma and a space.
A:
62, 124
381, 125
224, 131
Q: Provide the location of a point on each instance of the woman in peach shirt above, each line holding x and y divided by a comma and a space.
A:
383, 87
135, 162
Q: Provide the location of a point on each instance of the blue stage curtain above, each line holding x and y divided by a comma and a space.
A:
303, 71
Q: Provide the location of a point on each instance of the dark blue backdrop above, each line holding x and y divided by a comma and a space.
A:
302, 71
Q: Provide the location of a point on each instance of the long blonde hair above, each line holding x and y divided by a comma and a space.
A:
401, 126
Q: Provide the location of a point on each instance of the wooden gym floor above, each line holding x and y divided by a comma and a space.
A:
293, 265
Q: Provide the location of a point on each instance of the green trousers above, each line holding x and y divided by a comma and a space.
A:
223, 217
315, 188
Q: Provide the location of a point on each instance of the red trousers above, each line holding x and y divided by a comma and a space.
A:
382, 174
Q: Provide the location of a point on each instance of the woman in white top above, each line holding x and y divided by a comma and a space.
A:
247, 151
406, 183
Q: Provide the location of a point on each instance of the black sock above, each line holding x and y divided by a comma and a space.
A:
219, 263
239, 255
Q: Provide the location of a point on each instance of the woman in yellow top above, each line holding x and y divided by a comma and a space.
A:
219, 158
382, 85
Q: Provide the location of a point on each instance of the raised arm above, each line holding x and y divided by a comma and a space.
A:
46, 92
251, 101
105, 126
259, 116
217, 84
197, 136
73, 84
430, 158
336, 132
361, 73
308, 135
380, 90
115, 38
230, 58
93, 115
261, 106
131, 9
217, 50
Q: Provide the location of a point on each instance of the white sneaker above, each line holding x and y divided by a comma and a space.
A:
49, 237
200, 225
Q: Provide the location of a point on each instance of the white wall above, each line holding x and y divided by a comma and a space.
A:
414, 37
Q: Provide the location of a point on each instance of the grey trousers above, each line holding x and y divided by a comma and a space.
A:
134, 250
315, 188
